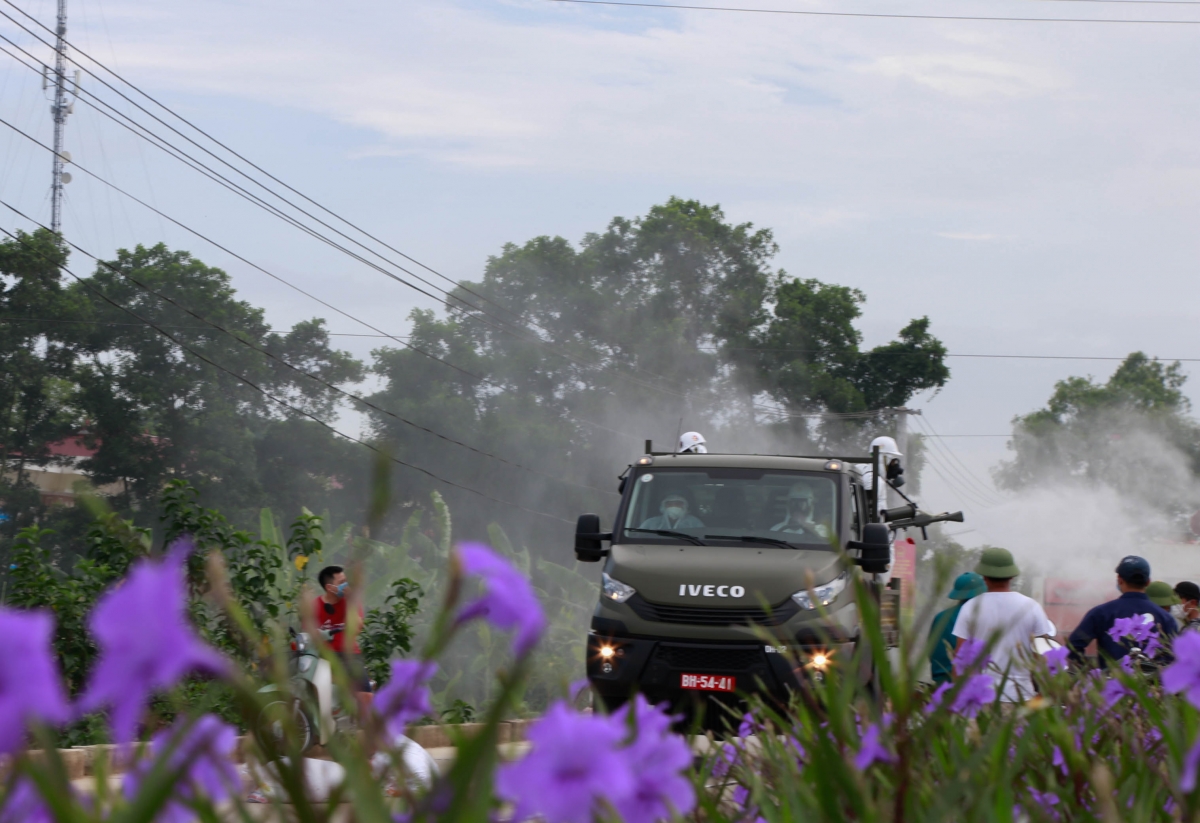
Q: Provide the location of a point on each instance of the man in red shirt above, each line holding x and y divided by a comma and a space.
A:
330, 614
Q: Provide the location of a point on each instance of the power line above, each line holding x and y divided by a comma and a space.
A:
316, 378
481, 316
879, 15
402, 341
956, 466
285, 403
402, 337
955, 354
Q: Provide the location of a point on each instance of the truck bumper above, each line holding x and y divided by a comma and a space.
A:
619, 666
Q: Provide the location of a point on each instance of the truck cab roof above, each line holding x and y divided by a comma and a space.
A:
756, 461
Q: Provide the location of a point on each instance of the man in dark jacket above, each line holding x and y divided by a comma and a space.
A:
1133, 576
941, 633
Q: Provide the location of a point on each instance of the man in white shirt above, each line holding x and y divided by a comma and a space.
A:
1010, 618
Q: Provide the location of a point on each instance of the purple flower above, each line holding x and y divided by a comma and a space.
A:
977, 692
1056, 659
872, 751
146, 643
577, 688
23, 804
801, 752
970, 653
30, 686
935, 699
1059, 761
575, 762
1113, 691
1134, 627
405, 697
508, 601
1047, 800
203, 753
749, 726
658, 759
1191, 763
1184, 673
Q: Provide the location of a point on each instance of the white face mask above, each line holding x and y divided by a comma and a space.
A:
674, 512
1177, 611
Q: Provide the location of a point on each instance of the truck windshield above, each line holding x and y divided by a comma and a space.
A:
797, 508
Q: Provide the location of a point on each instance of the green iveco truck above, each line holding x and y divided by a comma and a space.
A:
733, 573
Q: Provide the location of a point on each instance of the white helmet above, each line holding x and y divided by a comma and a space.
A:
887, 447
692, 443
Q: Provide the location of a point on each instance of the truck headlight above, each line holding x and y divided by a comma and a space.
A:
615, 589
825, 594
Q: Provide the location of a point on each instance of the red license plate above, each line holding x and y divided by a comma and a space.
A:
707, 682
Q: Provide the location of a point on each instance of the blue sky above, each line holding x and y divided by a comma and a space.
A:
1031, 187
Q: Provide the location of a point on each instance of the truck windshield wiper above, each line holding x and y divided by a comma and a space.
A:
749, 538
668, 533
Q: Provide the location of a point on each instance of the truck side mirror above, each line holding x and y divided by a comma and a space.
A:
588, 537
875, 548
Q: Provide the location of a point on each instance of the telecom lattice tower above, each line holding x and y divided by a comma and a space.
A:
62, 105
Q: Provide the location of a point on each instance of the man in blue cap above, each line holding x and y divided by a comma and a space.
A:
941, 633
1133, 576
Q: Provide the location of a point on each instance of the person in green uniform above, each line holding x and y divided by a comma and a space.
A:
941, 633
1161, 594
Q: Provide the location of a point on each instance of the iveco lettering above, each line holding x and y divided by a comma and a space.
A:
730, 573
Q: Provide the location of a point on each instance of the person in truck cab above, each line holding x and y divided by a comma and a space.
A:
800, 506
673, 515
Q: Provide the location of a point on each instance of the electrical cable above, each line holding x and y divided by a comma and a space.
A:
504, 325
966, 492
958, 469
349, 395
988, 487
481, 316
879, 15
288, 283
288, 405
296, 223
963, 476
782, 411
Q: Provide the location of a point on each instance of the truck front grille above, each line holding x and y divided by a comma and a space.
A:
703, 659
700, 616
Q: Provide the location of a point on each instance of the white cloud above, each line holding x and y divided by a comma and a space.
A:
969, 75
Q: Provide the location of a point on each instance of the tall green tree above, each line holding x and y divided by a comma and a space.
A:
37, 396
156, 411
672, 318
1132, 432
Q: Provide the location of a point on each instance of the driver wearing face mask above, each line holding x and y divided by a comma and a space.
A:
800, 507
673, 515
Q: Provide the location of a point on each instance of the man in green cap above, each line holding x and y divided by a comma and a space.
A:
1162, 595
941, 633
1008, 620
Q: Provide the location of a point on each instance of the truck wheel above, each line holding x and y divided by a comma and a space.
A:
283, 723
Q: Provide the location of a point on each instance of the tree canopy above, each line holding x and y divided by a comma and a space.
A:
534, 385
1132, 432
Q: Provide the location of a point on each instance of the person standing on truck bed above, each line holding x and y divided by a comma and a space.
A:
1008, 620
673, 514
941, 634
1133, 576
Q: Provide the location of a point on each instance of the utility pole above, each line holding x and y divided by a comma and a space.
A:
59, 109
